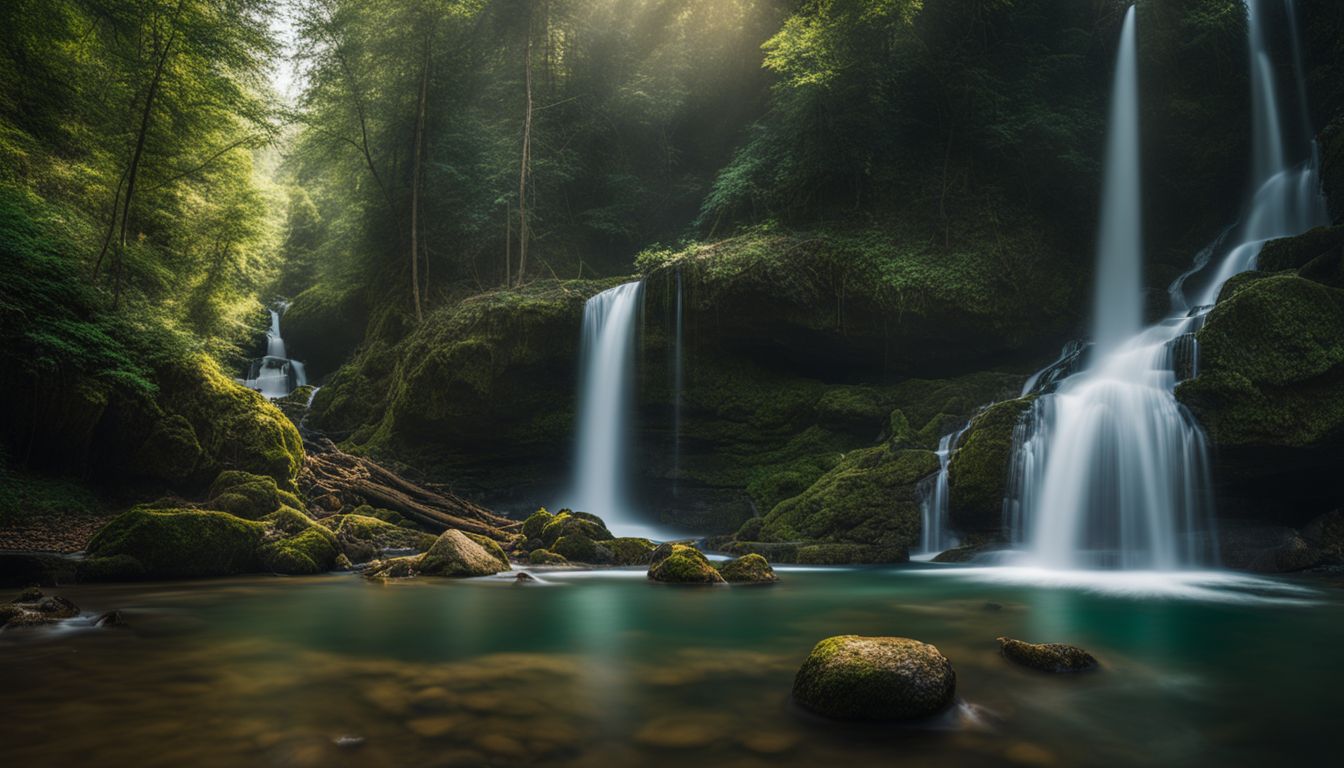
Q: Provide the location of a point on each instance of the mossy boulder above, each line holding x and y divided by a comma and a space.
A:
249, 496
1296, 253
181, 543
297, 545
850, 677
536, 523
578, 548
977, 473
361, 538
568, 523
748, 569
1270, 396
867, 504
630, 550
33, 608
455, 554
1047, 657
545, 557
682, 564
492, 548
230, 427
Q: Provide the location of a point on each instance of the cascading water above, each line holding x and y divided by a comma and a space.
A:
935, 534
605, 387
275, 375
677, 384
1109, 469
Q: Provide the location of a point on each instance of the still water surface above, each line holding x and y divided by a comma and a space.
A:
605, 669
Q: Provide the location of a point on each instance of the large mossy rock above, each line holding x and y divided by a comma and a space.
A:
182, 543
194, 543
682, 564
866, 509
748, 569
456, 554
249, 496
977, 472
200, 424
1270, 396
850, 677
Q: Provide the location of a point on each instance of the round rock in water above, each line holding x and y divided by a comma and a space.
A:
1047, 657
850, 677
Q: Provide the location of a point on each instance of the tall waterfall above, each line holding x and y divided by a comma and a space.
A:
678, 383
1109, 469
605, 400
1119, 290
275, 375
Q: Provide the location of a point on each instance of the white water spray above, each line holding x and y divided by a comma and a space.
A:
935, 534
605, 400
1109, 469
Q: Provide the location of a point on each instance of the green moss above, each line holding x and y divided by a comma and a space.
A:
566, 523
1272, 366
577, 548
536, 523
247, 495
299, 547
630, 550
1297, 252
235, 427
874, 678
182, 543
977, 473
455, 554
545, 557
868, 499
324, 325
367, 535
748, 569
682, 564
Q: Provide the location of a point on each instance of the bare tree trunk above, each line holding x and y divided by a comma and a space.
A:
526, 163
415, 183
133, 168
508, 245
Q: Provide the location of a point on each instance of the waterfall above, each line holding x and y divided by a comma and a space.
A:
275, 375
1109, 469
678, 382
1119, 292
935, 535
605, 399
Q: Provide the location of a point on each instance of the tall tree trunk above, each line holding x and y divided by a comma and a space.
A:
133, 167
525, 165
508, 245
415, 183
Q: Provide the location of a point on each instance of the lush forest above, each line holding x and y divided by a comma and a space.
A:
332, 331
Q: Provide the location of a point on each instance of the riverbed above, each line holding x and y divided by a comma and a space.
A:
603, 668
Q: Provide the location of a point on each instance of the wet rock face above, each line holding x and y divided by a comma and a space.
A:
1047, 657
851, 677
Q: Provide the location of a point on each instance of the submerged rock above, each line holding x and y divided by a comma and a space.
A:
33, 608
748, 569
455, 554
682, 564
1047, 657
850, 677
110, 619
